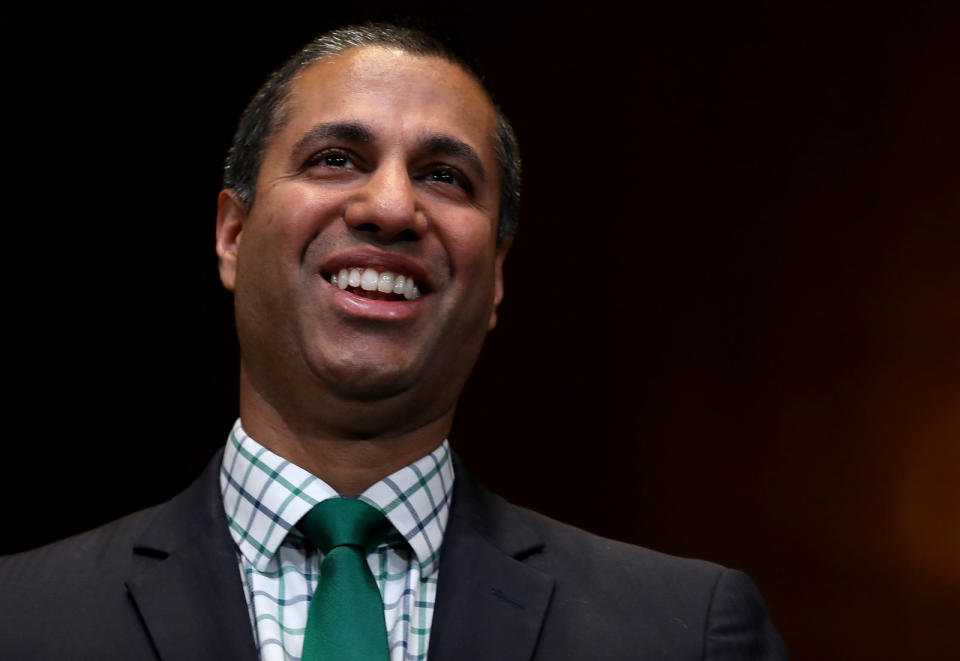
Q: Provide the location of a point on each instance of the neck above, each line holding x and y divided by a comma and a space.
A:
348, 459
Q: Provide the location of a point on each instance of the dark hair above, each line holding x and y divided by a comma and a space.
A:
267, 111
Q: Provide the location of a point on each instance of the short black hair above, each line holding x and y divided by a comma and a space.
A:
266, 112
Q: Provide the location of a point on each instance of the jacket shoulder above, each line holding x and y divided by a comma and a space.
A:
588, 564
680, 607
568, 546
102, 549
617, 600
72, 598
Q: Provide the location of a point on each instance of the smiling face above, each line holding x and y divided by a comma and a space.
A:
384, 170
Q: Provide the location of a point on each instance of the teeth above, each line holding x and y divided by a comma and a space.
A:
369, 279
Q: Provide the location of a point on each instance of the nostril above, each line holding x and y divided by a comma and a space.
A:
406, 234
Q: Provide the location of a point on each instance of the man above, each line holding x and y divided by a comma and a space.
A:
369, 204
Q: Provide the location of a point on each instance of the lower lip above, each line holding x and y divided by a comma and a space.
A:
369, 308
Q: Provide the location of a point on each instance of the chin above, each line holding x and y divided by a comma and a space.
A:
371, 383
382, 404
370, 391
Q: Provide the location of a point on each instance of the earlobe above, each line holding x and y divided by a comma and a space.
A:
231, 216
502, 250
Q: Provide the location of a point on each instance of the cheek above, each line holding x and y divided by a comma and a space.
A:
291, 218
470, 243
297, 205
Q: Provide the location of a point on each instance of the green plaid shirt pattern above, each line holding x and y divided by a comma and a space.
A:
265, 496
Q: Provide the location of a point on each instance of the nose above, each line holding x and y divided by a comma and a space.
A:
387, 206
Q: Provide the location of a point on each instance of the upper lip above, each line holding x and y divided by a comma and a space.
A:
379, 260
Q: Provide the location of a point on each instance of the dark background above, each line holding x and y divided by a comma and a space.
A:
732, 317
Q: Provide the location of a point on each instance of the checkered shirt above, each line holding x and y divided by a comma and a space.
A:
265, 496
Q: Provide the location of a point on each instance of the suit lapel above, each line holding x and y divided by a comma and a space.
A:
188, 590
489, 604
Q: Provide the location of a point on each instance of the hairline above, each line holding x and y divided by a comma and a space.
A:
503, 139
281, 115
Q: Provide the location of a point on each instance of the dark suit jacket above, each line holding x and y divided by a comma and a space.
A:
164, 583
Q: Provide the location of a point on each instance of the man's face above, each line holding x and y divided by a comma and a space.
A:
384, 166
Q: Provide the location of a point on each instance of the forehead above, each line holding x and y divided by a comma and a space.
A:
393, 92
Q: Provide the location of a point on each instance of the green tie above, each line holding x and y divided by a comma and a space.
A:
345, 622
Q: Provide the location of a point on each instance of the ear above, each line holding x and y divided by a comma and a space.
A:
501, 255
231, 216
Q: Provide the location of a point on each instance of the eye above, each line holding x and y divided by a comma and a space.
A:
450, 176
335, 160
330, 158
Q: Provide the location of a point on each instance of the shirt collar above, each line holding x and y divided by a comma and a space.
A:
265, 496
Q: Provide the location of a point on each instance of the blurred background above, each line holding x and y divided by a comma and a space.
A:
732, 311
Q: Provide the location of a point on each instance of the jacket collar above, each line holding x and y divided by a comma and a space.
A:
189, 592
490, 605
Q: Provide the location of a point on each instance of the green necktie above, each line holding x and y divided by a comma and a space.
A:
345, 622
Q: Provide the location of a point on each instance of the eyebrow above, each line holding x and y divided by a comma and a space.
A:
354, 132
438, 144
447, 145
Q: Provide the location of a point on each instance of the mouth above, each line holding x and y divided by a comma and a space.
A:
367, 282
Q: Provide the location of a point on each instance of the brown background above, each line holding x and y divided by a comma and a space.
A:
732, 321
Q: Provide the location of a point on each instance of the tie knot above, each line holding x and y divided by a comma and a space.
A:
345, 522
